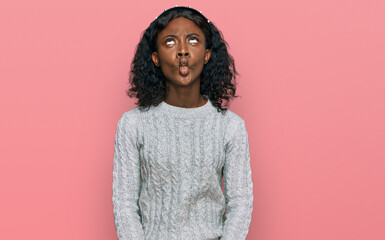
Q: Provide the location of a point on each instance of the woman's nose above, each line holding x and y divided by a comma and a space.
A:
183, 51
180, 54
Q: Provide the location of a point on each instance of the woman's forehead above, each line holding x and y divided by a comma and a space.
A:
181, 25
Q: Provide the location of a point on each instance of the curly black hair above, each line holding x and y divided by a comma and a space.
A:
218, 75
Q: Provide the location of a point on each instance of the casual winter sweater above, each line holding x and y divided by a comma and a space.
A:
167, 175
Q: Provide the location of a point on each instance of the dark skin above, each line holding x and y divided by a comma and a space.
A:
181, 56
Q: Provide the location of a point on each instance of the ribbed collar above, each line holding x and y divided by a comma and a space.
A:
182, 112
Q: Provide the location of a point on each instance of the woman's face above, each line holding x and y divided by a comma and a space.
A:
181, 52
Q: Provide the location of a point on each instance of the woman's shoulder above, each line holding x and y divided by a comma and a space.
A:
132, 113
233, 122
130, 118
232, 118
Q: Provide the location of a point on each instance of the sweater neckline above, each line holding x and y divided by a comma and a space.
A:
182, 112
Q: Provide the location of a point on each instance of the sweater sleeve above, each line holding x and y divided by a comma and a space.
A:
238, 186
126, 181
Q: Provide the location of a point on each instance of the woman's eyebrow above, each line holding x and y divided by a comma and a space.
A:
188, 35
192, 34
171, 35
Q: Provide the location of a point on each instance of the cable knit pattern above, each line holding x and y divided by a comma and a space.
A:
167, 177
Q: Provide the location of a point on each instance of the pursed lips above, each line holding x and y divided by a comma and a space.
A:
183, 66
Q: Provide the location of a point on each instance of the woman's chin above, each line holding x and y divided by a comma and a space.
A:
180, 80
184, 80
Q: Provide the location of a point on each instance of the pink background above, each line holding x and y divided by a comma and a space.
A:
312, 85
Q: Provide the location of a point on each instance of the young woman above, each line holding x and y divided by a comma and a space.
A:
172, 151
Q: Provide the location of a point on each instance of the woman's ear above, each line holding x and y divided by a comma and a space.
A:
207, 55
155, 58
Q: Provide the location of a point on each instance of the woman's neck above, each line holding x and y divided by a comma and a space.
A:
184, 98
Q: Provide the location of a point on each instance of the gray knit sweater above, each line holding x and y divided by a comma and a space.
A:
167, 176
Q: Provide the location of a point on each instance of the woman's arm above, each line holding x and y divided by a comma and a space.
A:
126, 181
238, 186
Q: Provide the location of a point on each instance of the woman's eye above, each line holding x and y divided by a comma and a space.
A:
169, 41
193, 40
